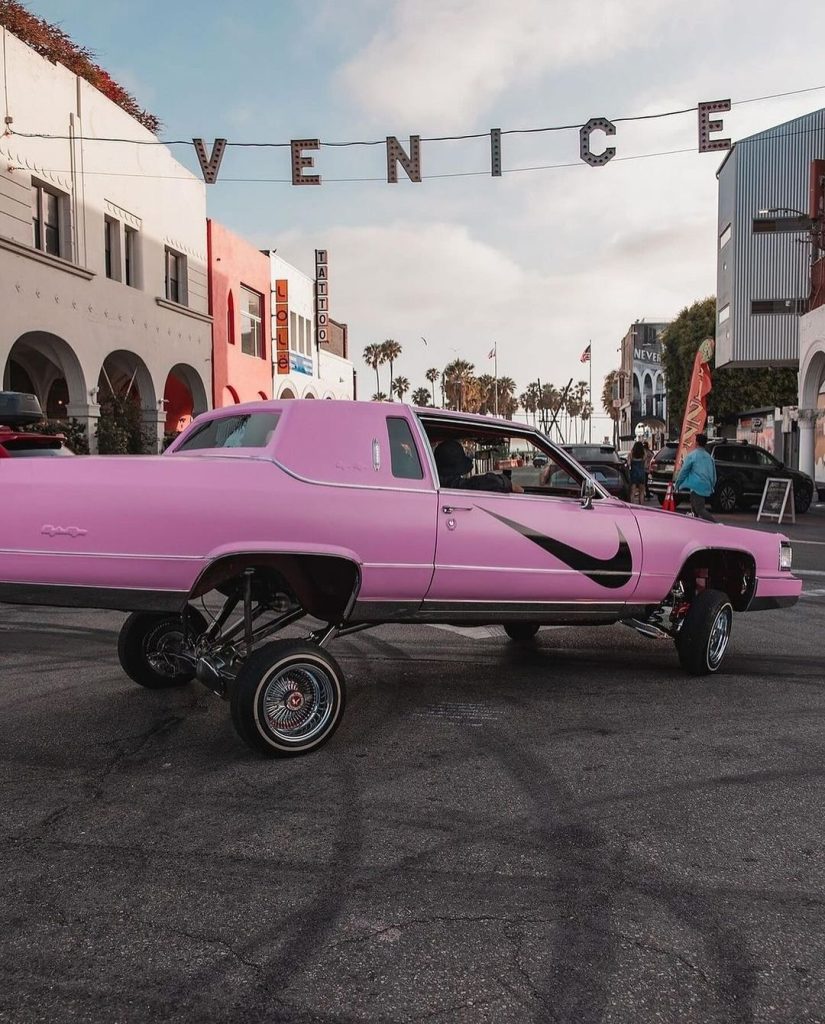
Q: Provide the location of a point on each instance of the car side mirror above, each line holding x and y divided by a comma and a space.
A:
588, 492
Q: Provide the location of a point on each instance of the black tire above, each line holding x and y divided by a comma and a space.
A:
140, 646
275, 673
521, 632
700, 647
803, 495
726, 497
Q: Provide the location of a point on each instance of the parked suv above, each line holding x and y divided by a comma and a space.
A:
602, 461
741, 472
20, 410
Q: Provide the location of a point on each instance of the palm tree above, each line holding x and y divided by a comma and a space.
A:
507, 403
379, 396
529, 399
487, 391
609, 388
459, 381
390, 351
374, 357
432, 376
421, 396
401, 386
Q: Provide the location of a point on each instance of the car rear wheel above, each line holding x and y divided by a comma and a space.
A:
521, 632
151, 645
702, 641
288, 698
726, 497
802, 498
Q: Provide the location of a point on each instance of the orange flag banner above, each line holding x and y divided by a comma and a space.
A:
696, 408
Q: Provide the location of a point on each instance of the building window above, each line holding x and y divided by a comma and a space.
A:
130, 253
784, 225
724, 314
294, 340
788, 307
175, 276
230, 319
251, 314
47, 210
724, 238
111, 236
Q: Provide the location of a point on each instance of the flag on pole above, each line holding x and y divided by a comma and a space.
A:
492, 353
585, 356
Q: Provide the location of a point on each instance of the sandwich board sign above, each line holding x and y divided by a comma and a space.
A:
777, 500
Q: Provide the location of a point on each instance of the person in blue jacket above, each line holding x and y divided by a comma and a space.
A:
698, 475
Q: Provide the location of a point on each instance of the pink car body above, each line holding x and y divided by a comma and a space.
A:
142, 533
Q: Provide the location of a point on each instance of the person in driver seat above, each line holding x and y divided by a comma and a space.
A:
453, 464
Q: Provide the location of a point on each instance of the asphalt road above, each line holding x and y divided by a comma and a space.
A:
574, 832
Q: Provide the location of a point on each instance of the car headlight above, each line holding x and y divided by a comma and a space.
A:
785, 555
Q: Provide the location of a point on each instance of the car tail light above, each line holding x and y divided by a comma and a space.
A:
785, 555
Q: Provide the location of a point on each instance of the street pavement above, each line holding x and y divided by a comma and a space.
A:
572, 832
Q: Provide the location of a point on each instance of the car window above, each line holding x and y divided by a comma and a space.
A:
403, 453
724, 453
749, 456
765, 458
251, 430
536, 470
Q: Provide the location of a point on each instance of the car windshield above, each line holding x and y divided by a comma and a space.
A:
250, 430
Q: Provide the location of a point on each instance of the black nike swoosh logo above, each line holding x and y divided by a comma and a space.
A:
612, 573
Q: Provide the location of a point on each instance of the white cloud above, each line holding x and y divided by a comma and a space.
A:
442, 62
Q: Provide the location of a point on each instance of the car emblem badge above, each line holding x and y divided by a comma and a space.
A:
62, 531
613, 572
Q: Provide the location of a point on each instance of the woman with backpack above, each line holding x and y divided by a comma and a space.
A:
638, 474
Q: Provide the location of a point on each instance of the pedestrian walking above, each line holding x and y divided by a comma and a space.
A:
698, 475
638, 474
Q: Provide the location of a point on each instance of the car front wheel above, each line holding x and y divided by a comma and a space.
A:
726, 498
288, 698
802, 498
702, 641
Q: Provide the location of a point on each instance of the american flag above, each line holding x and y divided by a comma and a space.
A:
585, 357
492, 353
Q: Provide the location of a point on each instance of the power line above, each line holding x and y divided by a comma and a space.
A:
431, 138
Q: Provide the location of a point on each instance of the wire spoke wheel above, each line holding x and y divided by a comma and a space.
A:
719, 636
288, 698
297, 702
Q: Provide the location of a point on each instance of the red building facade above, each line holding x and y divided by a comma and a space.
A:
239, 301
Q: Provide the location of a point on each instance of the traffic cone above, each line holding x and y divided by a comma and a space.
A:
669, 505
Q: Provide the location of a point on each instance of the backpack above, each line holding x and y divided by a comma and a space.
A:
638, 474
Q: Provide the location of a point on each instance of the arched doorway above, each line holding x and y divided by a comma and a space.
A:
128, 404
263, 397
229, 397
184, 397
287, 393
812, 416
45, 365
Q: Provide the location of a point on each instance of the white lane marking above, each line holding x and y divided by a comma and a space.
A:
820, 592
821, 543
808, 572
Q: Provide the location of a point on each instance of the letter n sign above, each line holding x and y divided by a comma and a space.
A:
321, 297
282, 325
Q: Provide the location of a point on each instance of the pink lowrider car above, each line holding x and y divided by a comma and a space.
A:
334, 510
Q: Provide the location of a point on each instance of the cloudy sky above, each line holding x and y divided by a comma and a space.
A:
538, 261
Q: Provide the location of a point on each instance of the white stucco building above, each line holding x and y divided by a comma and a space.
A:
313, 371
811, 412
102, 253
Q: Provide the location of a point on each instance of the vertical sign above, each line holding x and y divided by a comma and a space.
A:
696, 408
282, 325
321, 297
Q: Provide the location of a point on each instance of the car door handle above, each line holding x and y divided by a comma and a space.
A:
449, 509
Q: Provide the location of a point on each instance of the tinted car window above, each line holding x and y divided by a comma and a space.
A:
724, 453
748, 456
403, 453
765, 458
251, 430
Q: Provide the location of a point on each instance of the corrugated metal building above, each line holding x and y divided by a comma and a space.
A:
763, 267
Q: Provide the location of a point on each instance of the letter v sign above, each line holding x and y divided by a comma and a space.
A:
210, 166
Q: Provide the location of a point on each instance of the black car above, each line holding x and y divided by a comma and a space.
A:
741, 471
603, 463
